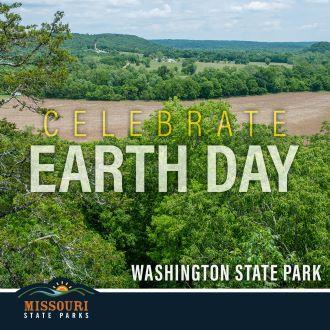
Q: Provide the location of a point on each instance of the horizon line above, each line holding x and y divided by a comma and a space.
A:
187, 39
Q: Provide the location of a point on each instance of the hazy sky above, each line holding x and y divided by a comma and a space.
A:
262, 20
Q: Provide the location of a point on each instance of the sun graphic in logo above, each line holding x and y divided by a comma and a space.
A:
62, 287
56, 288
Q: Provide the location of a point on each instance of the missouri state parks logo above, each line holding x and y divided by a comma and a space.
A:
58, 299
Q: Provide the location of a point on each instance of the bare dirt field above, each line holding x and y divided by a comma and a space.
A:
304, 115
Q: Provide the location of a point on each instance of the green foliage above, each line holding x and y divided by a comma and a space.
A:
321, 47
96, 237
232, 44
164, 72
189, 67
114, 83
118, 76
45, 236
51, 240
108, 42
31, 58
267, 60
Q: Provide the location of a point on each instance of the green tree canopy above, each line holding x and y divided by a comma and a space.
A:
32, 60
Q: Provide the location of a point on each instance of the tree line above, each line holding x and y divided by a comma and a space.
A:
111, 78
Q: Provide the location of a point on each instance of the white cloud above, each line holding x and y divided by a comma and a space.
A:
262, 6
271, 24
310, 26
157, 12
229, 25
318, 1
191, 19
121, 3
107, 2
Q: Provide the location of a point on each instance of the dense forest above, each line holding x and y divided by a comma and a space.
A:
132, 43
232, 44
94, 237
107, 41
128, 77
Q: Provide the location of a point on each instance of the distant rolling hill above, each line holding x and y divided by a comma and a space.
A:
321, 47
232, 44
107, 42
110, 42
